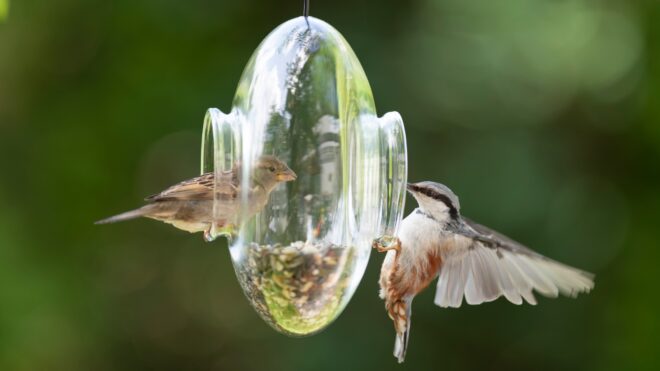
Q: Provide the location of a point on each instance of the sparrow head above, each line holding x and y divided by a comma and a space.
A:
270, 171
436, 199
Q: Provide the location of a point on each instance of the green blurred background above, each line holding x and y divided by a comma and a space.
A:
544, 116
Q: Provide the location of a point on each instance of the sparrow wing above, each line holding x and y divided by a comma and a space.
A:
200, 188
489, 265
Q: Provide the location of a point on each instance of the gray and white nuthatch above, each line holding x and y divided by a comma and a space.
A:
471, 261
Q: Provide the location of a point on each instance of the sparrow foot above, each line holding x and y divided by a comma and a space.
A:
208, 236
387, 243
224, 229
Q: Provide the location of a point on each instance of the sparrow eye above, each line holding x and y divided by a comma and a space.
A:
271, 169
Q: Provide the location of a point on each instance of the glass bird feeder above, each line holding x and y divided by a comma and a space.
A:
304, 99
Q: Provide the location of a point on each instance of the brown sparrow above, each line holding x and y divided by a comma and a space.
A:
189, 205
471, 261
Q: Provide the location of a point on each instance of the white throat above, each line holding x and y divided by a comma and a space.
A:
434, 208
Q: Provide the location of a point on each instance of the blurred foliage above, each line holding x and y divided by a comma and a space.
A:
4, 9
542, 115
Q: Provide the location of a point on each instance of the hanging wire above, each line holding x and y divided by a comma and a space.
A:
305, 8
306, 11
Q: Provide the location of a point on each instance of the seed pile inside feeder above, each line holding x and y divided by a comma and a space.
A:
296, 288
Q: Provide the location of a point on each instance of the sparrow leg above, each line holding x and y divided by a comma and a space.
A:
208, 237
220, 229
387, 243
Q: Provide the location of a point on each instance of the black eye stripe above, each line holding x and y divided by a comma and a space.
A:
453, 212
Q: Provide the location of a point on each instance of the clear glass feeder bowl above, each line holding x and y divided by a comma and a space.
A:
305, 99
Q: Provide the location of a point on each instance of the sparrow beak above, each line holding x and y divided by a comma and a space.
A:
286, 176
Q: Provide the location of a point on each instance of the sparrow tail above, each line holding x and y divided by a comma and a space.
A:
144, 210
401, 319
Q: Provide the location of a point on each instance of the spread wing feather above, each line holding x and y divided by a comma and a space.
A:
492, 265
